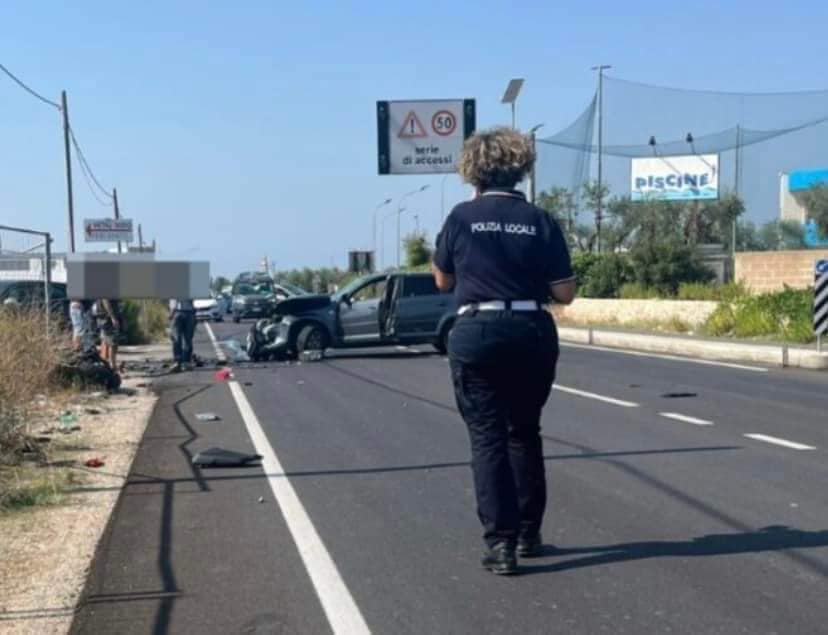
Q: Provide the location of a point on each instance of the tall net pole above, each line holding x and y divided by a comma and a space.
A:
600, 205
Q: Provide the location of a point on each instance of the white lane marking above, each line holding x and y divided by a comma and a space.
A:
340, 608
675, 358
220, 355
592, 395
777, 441
686, 419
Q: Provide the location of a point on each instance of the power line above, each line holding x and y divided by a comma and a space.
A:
29, 90
87, 168
86, 176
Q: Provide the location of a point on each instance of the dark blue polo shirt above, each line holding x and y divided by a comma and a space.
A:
500, 247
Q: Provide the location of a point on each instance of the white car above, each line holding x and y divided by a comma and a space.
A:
208, 309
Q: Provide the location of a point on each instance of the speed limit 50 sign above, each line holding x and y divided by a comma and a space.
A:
423, 137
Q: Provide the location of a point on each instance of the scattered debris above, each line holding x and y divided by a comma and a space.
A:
219, 457
635, 385
312, 356
95, 463
300, 383
93, 411
248, 383
68, 422
225, 374
261, 500
208, 416
86, 368
679, 395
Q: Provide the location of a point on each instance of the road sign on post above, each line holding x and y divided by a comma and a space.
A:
423, 137
821, 301
107, 230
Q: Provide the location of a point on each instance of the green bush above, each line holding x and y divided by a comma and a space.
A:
666, 264
710, 292
786, 315
145, 321
601, 276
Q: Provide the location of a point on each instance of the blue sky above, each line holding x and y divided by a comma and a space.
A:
238, 130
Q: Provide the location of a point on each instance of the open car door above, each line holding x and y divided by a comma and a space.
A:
388, 307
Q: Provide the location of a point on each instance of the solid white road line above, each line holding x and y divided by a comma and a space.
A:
686, 419
777, 441
675, 358
340, 608
342, 612
220, 355
592, 395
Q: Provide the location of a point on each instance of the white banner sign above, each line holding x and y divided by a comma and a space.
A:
107, 230
679, 178
423, 137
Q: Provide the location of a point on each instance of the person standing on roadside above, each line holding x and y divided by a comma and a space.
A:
182, 329
110, 320
505, 260
80, 314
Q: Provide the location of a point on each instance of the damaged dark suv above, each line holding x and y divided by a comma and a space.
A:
376, 310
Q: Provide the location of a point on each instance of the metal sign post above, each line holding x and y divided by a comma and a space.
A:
821, 301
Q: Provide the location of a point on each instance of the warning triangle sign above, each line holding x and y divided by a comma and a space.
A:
412, 127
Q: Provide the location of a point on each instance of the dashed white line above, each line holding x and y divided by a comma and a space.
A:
592, 395
686, 419
340, 608
675, 358
220, 355
782, 442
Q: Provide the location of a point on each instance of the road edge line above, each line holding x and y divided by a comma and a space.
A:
341, 610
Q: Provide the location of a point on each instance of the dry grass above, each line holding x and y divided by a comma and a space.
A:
28, 358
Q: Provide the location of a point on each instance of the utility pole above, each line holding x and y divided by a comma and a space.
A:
600, 205
117, 211
140, 238
70, 201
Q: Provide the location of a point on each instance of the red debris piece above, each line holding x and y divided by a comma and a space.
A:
96, 462
224, 374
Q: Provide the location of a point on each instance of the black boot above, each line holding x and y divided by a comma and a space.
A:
530, 546
500, 559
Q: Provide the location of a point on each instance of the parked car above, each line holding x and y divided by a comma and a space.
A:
376, 310
31, 294
208, 309
253, 297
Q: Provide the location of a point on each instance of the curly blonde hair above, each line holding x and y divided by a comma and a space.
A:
498, 157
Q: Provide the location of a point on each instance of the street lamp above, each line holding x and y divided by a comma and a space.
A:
399, 214
374, 225
532, 173
511, 95
382, 237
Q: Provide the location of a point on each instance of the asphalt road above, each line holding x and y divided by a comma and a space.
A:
665, 516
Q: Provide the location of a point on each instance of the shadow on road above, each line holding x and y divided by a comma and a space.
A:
773, 538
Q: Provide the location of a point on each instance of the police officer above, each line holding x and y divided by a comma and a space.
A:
505, 260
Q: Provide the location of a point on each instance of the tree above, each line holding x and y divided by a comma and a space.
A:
816, 202
417, 249
594, 196
219, 282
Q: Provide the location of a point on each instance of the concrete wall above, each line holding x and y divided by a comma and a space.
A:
765, 271
586, 311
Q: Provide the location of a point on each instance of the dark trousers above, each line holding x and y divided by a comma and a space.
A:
503, 367
182, 330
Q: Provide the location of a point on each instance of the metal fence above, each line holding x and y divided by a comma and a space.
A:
26, 256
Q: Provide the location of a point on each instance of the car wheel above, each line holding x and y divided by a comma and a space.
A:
311, 338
